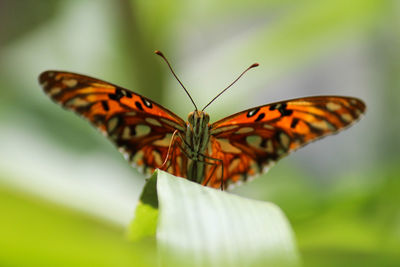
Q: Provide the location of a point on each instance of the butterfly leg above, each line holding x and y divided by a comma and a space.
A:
170, 155
170, 162
206, 162
169, 149
215, 167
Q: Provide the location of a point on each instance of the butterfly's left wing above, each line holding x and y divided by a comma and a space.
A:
250, 141
139, 127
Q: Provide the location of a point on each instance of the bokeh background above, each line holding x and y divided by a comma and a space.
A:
67, 195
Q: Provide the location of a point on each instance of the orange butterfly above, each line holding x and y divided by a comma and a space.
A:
216, 155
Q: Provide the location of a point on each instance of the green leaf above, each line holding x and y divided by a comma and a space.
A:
146, 213
201, 226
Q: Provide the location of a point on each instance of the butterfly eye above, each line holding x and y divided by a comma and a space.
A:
206, 118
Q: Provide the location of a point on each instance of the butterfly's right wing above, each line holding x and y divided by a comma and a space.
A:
250, 141
140, 128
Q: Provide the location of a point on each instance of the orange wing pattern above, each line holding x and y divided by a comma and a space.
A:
250, 141
140, 128
240, 146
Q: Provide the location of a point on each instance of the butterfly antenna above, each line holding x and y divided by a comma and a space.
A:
169, 65
252, 66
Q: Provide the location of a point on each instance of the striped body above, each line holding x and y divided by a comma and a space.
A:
197, 136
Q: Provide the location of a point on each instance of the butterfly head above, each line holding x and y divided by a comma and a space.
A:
198, 120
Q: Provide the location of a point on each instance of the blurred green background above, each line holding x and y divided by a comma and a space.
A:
67, 195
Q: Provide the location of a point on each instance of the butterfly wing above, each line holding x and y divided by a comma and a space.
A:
140, 128
250, 141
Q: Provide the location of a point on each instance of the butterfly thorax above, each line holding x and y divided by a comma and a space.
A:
197, 136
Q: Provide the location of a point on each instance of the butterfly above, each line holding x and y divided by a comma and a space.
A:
217, 154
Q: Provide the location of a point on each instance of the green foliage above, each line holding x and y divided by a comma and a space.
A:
146, 215
341, 198
36, 233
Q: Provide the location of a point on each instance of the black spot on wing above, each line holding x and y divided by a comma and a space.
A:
146, 102
260, 117
282, 109
285, 112
138, 105
105, 106
113, 97
118, 92
253, 112
294, 123
117, 95
128, 94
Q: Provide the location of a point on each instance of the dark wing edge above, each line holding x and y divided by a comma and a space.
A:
267, 133
139, 127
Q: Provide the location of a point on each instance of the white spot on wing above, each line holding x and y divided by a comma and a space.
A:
153, 121
223, 129
171, 123
126, 133
77, 102
269, 127
54, 90
269, 148
131, 113
322, 125
346, 117
142, 130
233, 165
157, 157
227, 147
285, 140
254, 140
331, 106
244, 130
163, 142
146, 102
70, 82
112, 124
